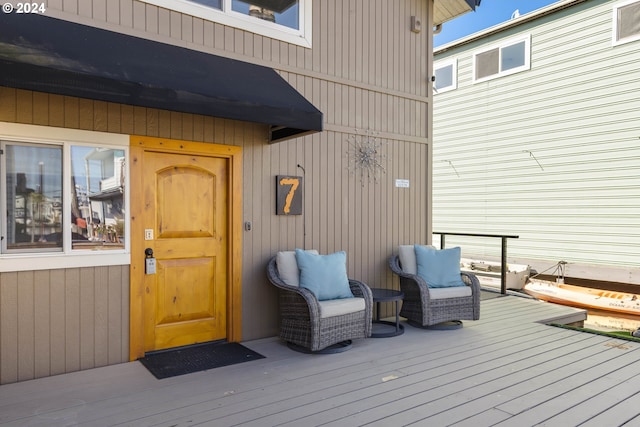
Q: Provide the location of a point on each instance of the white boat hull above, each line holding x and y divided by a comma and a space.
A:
489, 273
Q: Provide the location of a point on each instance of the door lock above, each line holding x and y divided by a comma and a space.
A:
149, 262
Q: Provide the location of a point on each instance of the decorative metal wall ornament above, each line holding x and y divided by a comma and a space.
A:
365, 157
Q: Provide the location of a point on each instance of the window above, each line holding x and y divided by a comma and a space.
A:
626, 22
97, 198
286, 20
511, 56
33, 198
446, 76
61, 196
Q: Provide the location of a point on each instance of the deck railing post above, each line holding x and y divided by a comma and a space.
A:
503, 252
503, 267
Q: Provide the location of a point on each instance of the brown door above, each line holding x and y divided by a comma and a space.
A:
185, 220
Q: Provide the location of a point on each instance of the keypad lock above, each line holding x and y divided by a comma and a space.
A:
149, 262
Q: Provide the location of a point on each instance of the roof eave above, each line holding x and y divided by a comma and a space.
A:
446, 10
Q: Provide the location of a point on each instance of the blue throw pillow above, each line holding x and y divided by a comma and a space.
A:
324, 275
439, 268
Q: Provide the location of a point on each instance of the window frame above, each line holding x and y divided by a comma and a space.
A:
500, 46
614, 34
227, 16
67, 257
454, 75
4, 209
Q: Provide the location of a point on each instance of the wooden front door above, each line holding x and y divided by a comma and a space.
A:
183, 217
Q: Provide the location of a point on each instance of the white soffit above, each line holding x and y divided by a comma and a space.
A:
445, 10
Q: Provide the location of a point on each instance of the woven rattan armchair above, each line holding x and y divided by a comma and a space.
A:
303, 326
420, 307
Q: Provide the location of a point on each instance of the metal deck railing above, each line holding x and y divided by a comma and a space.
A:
503, 251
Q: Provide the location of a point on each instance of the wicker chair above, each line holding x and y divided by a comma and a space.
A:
304, 328
429, 307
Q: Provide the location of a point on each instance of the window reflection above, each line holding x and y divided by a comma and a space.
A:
34, 198
282, 12
97, 199
513, 56
444, 77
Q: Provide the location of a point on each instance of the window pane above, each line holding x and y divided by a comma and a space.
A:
97, 198
512, 56
282, 12
215, 4
487, 63
444, 77
629, 21
34, 198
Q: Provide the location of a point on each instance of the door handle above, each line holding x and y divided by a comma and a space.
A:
149, 262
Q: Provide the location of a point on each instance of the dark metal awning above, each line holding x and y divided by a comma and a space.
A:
55, 56
473, 4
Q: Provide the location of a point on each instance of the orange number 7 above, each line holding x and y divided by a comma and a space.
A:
294, 183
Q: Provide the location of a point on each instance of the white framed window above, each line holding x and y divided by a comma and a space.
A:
64, 195
446, 76
508, 57
285, 20
626, 22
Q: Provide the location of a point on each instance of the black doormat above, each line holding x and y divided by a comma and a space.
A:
200, 357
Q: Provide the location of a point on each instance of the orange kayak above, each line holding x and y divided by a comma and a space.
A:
579, 296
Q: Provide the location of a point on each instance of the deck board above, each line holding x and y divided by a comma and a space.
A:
506, 369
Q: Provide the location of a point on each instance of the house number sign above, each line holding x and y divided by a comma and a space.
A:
288, 195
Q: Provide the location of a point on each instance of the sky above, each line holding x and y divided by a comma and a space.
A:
488, 14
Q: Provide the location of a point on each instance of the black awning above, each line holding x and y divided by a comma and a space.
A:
55, 56
473, 4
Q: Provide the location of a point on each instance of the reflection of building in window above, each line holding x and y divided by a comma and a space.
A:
281, 12
262, 13
33, 196
37, 217
98, 207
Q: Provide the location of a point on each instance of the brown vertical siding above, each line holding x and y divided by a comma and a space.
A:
57, 321
367, 72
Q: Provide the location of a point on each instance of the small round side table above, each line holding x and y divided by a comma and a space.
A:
386, 295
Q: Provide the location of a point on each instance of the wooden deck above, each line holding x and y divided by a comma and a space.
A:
505, 369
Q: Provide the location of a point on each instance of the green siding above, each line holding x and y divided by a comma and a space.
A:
551, 154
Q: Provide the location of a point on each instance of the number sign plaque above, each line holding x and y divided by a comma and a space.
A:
288, 195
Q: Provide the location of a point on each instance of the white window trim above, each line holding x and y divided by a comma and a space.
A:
67, 258
454, 77
502, 44
227, 16
614, 34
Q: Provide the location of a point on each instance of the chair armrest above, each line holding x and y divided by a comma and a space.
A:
471, 280
394, 264
295, 293
409, 283
361, 290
